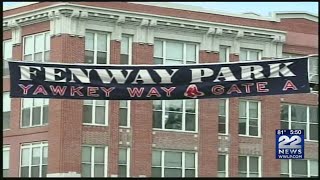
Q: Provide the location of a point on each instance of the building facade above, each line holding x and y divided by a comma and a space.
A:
231, 137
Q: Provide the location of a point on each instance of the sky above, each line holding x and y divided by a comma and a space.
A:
261, 8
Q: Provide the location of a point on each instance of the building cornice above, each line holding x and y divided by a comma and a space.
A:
295, 15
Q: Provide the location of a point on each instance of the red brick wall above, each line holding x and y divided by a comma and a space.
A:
65, 122
7, 35
141, 120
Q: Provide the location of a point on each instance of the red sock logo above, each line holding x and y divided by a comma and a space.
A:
193, 92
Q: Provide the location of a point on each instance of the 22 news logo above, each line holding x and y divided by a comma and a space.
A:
289, 144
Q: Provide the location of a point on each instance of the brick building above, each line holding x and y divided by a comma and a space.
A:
205, 138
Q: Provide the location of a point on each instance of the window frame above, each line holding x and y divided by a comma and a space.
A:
248, 118
290, 166
248, 50
227, 53
308, 123
128, 160
226, 159
30, 146
183, 158
92, 163
95, 45
6, 92
6, 148
93, 105
226, 116
33, 40
31, 113
4, 59
248, 165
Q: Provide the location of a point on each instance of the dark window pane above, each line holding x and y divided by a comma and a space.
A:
87, 114
254, 175
157, 104
122, 171
89, 57
45, 114
124, 59
190, 106
45, 155
189, 158
190, 122
44, 171
102, 58
157, 118
156, 172
38, 57
242, 126
26, 117
221, 163
174, 121
25, 171
123, 156
242, 174
99, 155
253, 122
242, 163
190, 173
172, 172
314, 132
36, 156
299, 167
157, 61
313, 114
284, 125
284, 112
98, 170
123, 117
253, 130
100, 115
222, 128
86, 154
299, 113
222, 107
36, 116
86, 170
35, 170
173, 159
5, 172
254, 162
299, 126
47, 56
6, 120
156, 158
28, 57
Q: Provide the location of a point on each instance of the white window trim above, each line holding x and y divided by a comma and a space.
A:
30, 146
128, 162
227, 117
248, 165
6, 41
182, 161
307, 133
95, 45
9, 111
130, 37
227, 53
6, 148
183, 118
106, 113
226, 164
248, 50
31, 113
92, 159
33, 43
247, 118
308, 167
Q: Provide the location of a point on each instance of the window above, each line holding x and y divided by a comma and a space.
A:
249, 166
249, 118
300, 117
97, 48
178, 115
313, 70
174, 164
224, 54
34, 159
34, 112
223, 116
175, 115
6, 109
94, 161
95, 112
249, 54
223, 166
299, 168
5, 161
124, 162
37, 47
126, 58
7, 55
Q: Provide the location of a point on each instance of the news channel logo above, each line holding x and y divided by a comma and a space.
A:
289, 144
